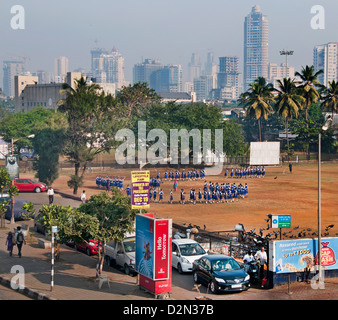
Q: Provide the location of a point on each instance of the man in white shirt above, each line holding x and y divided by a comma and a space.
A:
263, 259
50, 193
83, 196
249, 257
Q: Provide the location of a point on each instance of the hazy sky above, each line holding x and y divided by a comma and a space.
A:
166, 30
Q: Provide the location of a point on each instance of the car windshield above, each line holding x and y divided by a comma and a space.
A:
191, 249
129, 245
225, 265
31, 180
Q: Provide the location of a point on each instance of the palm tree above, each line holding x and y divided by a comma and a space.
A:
330, 97
257, 101
308, 87
289, 102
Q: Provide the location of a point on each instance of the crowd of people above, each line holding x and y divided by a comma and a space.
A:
249, 172
105, 182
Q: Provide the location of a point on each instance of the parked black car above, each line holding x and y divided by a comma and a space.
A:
18, 211
220, 273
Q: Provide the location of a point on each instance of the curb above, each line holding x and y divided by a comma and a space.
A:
25, 291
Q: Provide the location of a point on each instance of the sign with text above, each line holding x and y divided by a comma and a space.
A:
296, 255
140, 189
153, 247
281, 221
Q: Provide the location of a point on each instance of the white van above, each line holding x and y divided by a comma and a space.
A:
184, 253
122, 254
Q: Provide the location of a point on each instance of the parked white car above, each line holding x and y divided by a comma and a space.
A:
184, 253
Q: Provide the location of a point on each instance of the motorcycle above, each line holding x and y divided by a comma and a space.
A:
252, 269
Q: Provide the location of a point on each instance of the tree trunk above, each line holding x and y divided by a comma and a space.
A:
259, 129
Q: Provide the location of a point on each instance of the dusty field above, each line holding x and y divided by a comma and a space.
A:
280, 192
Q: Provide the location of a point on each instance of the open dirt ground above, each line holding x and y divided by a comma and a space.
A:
280, 192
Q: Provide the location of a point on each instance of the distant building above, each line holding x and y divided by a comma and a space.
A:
325, 57
61, 69
144, 72
29, 93
228, 78
279, 72
256, 46
167, 79
194, 67
179, 97
11, 68
108, 67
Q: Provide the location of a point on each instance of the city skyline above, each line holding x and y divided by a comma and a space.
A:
152, 37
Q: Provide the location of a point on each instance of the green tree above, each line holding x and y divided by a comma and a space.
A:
92, 122
308, 86
135, 99
50, 137
288, 102
330, 97
115, 217
257, 101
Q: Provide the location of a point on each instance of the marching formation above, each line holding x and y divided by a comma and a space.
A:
107, 183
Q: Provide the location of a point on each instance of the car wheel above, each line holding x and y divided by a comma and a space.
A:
213, 287
126, 269
37, 190
195, 276
179, 268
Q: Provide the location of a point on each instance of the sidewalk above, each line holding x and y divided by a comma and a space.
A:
75, 279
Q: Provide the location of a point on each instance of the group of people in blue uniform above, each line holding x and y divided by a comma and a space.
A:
104, 182
249, 172
214, 193
184, 175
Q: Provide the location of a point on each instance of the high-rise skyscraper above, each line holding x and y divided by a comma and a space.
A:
167, 79
144, 72
325, 57
11, 68
228, 76
108, 67
256, 46
194, 67
60, 69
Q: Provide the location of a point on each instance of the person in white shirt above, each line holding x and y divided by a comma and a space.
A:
83, 196
261, 256
249, 257
50, 193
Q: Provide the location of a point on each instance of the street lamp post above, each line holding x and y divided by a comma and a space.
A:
325, 127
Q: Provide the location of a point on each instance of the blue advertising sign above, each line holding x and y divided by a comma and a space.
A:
296, 255
144, 255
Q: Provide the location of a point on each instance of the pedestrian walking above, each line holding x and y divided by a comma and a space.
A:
263, 259
175, 185
20, 240
83, 196
290, 167
50, 193
10, 242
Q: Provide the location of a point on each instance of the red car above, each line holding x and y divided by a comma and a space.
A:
29, 185
90, 248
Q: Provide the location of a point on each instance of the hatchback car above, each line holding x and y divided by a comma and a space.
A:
184, 252
220, 273
29, 185
90, 248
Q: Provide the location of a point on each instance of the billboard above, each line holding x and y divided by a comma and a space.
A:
12, 166
264, 153
296, 255
153, 247
140, 189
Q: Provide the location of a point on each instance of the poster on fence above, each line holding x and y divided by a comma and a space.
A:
296, 255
